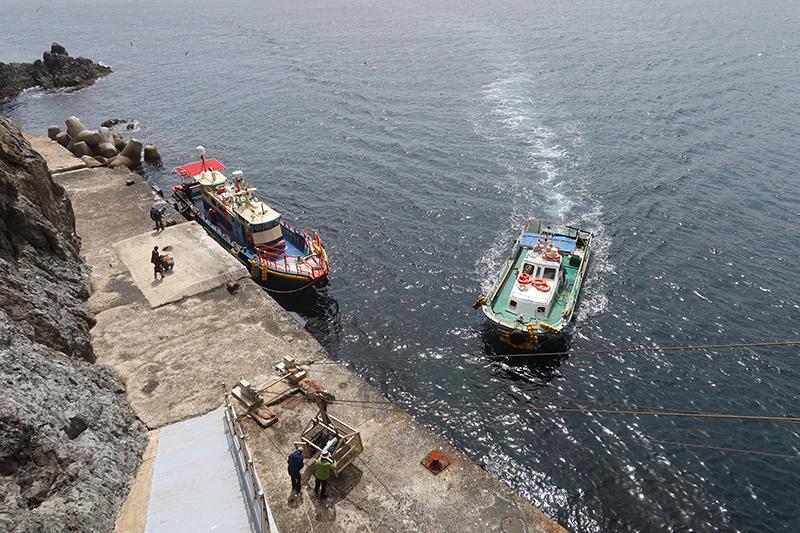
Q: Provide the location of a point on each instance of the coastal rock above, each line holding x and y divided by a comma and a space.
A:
69, 441
106, 147
81, 149
151, 154
56, 70
44, 280
130, 156
91, 162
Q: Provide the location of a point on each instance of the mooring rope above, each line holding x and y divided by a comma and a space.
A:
376, 404
291, 291
685, 414
673, 443
554, 354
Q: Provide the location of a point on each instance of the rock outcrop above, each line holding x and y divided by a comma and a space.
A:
69, 442
56, 70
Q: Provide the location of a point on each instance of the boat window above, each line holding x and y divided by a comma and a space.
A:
549, 273
528, 268
540, 309
512, 303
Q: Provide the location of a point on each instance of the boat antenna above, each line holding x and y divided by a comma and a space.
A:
201, 152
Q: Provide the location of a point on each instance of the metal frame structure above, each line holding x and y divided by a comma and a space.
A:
346, 439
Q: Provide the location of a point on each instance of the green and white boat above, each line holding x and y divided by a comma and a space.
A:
538, 287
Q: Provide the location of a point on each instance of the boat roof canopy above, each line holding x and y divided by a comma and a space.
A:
193, 169
565, 244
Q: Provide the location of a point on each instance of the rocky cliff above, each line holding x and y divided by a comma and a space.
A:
69, 442
57, 69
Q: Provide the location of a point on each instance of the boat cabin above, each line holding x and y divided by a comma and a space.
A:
231, 204
537, 284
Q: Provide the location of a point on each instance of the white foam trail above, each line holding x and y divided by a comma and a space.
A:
526, 147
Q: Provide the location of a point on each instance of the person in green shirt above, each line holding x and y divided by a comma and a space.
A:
324, 466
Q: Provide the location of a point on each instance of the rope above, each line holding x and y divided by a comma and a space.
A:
689, 414
289, 292
539, 397
605, 435
378, 479
543, 397
553, 354
641, 439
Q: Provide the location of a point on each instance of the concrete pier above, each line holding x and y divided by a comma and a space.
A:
173, 342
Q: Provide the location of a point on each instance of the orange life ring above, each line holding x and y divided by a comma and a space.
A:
220, 189
552, 256
524, 278
541, 284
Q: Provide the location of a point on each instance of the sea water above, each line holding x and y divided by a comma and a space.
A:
416, 138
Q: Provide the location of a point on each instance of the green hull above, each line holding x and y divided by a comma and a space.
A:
538, 287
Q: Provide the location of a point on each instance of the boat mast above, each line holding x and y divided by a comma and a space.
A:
202, 152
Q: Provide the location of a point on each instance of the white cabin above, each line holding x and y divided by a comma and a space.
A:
537, 283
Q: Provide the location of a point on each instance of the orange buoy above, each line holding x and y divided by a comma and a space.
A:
552, 255
541, 284
524, 278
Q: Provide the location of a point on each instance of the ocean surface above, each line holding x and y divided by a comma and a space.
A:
416, 137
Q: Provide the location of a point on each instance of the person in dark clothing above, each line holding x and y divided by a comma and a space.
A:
187, 191
155, 214
295, 465
158, 267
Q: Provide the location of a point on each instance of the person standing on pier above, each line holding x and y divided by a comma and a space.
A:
295, 465
155, 214
324, 466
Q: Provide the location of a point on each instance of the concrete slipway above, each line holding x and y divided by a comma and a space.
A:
173, 342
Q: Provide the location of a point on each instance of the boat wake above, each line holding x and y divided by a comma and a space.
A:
530, 151
543, 179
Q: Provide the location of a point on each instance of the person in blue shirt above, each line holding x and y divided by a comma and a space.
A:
295, 465
155, 214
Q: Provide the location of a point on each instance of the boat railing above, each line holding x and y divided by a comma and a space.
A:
235, 246
275, 257
316, 247
255, 500
499, 285
184, 174
579, 275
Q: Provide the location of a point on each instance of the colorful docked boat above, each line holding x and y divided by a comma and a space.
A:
536, 292
279, 256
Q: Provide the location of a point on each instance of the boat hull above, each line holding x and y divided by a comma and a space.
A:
525, 309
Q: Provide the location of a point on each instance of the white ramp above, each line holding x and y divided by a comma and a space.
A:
195, 483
